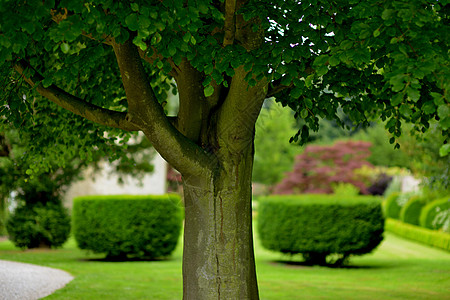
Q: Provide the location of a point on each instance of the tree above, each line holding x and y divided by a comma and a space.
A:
273, 155
372, 58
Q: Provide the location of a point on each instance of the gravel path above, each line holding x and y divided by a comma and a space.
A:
19, 281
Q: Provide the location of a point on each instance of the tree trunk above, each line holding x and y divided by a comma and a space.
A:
218, 259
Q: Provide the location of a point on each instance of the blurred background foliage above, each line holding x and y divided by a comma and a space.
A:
419, 155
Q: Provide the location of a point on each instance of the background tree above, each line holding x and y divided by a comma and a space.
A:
372, 58
273, 155
23, 184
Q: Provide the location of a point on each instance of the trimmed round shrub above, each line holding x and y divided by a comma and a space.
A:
128, 226
320, 225
410, 212
436, 215
36, 225
392, 207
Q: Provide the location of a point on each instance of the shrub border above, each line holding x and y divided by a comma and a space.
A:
422, 235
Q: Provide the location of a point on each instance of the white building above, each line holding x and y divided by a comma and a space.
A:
104, 182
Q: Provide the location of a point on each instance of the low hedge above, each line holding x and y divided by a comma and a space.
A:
35, 225
320, 225
426, 236
436, 214
391, 206
128, 226
410, 212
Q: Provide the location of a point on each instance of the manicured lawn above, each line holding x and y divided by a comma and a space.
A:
398, 269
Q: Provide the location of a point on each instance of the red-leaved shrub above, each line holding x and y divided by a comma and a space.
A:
319, 167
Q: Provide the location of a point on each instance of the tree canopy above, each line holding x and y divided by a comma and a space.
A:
372, 58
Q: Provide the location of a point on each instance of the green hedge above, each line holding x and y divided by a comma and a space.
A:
319, 225
410, 212
436, 214
429, 237
36, 225
391, 206
128, 226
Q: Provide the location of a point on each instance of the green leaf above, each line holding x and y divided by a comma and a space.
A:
444, 150
308, 102
438, 99
321, 60
135, 6
187, 37
398, 82
296, 92
429, 108
144, 23
397, 99
132, 22
65, 48
322, 71
445, 123
304, 113
309, 80
443, 111
391, 123
413, 94
376, 33
47, 82
347, 44
387, 13
405, 110
207, 81
334, 60
208, 91
171, 49
208, 69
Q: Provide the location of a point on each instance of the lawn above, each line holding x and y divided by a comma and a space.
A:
398, 269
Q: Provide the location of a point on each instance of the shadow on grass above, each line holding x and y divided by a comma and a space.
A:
302, 264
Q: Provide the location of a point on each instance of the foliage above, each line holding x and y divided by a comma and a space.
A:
393, 205
382, 152
394, 187
425, 158
127, 226
39, 224
320, 225
436, 215
345, 189
410, 212
423, 235
319, 167
397, 51
273, 154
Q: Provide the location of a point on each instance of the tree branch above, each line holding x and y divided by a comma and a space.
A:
192, 100
182, 153
239, 112
230, 22
74, 104
276, 87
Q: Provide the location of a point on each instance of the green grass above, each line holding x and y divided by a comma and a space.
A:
398, 269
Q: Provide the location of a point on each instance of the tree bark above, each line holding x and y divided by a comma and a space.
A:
218, 258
